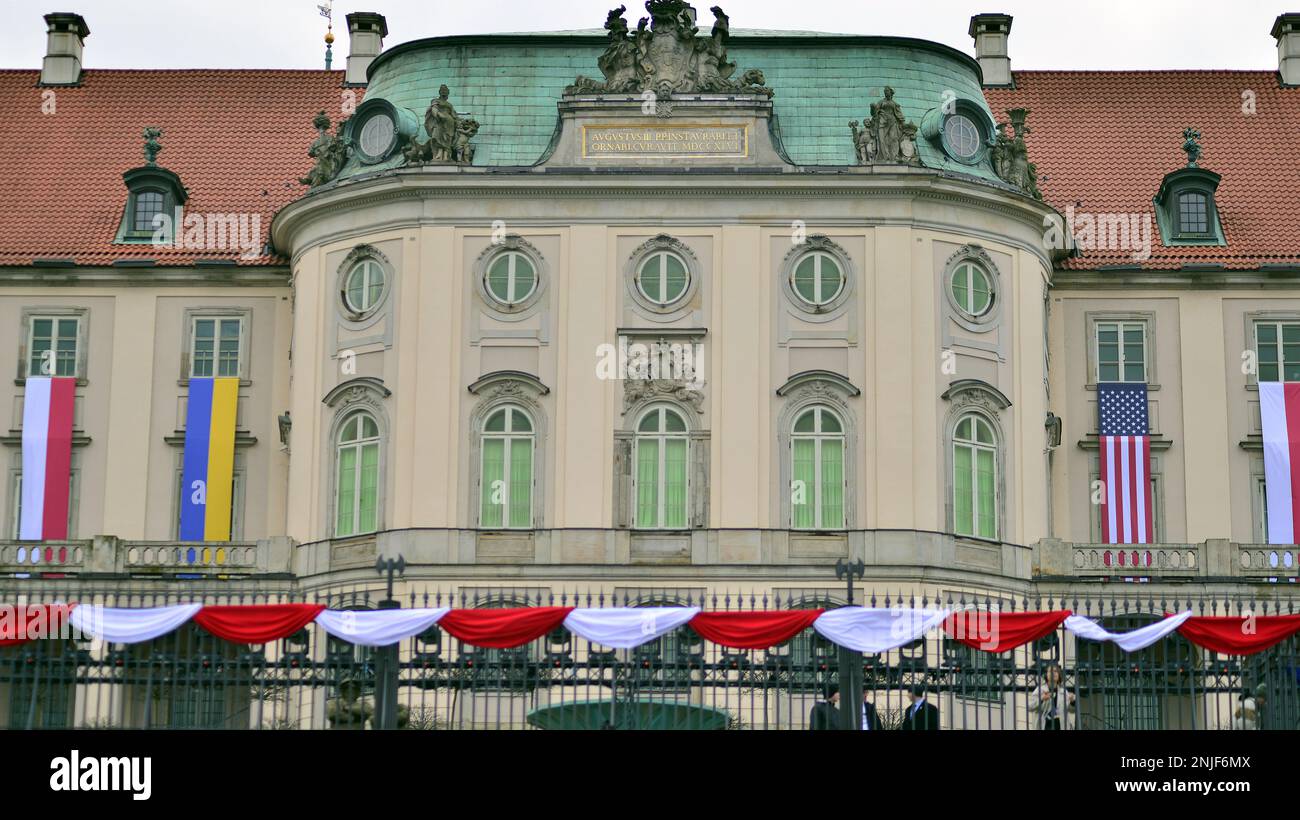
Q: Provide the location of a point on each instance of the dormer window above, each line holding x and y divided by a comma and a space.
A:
152, 192
148, 204
1185, 206
1193, 212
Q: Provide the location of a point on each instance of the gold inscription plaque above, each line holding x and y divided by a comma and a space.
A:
665, 141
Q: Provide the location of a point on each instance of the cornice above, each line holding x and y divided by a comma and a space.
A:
108, 276
922, 184
1132, 279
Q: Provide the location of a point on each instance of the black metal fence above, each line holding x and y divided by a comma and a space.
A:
189, 679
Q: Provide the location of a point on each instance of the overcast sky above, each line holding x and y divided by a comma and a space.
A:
1081, 34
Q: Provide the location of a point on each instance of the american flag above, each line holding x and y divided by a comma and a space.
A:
1125, 464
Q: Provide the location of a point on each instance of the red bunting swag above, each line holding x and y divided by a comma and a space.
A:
503, 628
20, 624
256, 624
753, 630
999, 632
1239, 636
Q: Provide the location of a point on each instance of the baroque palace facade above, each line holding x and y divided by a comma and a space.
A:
871, 336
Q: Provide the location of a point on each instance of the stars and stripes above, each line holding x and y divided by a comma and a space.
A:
1125, 457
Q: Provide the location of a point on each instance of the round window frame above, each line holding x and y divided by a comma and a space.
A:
632, 274
977, 118
366, 112
662, 253
977, 256
818, 244
506, 304
358, 255
511, 244
352, 270
813, 254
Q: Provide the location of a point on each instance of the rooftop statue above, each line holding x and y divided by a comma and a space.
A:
887, 137
665, 55
329, 151
449, 135
1011, 155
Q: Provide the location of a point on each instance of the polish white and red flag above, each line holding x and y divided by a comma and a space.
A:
1125, 468
1279, 410
47, 458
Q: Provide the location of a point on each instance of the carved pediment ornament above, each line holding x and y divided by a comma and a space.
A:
509, 243
643, 391
665, 55
974, 394
361, 390
972, 252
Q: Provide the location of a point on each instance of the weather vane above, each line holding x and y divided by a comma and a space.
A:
327, 11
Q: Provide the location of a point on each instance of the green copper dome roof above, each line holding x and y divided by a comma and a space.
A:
510, 84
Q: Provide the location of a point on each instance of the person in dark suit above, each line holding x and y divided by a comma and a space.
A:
826, 714
920, 716
870, 720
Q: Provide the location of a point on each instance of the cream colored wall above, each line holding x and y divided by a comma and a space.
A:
892, 354
1205, 403
133, 399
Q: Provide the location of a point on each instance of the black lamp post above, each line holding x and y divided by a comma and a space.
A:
386, 659
850, 661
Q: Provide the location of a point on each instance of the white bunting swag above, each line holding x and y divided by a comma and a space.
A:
1128, 641
381, 627
873, 631
116, 625
627, 628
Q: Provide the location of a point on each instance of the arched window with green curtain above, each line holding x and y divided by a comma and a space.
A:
356, 508
975, 478
660, 482
817, 471
506, 480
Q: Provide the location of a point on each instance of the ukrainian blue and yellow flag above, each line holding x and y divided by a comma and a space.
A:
209, 468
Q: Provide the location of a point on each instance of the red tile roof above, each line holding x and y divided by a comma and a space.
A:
238, 140
1103, 141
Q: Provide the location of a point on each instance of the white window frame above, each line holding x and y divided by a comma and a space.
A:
1278, 324
509, 437
17, 487
818, 437
238, 481
1121, 325
817, 301
216, 342
55, 318
661, 474
359, 445
513, 299
971, 267
16, 504
977, 446
368, 264
662, 255
1259, 501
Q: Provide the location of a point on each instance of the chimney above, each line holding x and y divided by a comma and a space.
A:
366, 33
990, 32
1286, 30
66, 34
